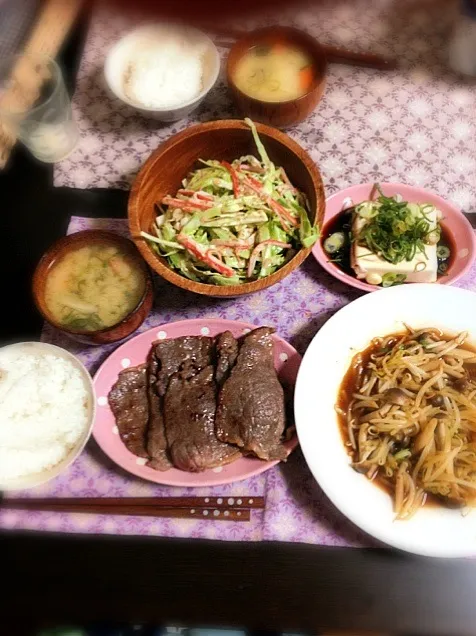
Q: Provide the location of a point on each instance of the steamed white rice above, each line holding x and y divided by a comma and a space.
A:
165, 69
43, 411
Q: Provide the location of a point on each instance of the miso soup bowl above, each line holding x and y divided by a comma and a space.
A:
279, 114
58, 250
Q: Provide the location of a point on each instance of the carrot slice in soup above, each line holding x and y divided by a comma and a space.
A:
306, 77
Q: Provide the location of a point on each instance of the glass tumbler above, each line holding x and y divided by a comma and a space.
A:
35, 106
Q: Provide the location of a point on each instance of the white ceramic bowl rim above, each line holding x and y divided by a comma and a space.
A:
36, 479
136, 33
433, 531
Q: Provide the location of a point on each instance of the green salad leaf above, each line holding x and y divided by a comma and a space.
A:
232, 223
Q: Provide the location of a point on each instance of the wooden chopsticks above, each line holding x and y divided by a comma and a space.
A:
334, 54
338, 55
204, 508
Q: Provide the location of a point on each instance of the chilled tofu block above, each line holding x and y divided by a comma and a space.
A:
423, 268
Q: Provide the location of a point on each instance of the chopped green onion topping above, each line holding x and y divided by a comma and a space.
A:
390, 279
443, 252
334, 242
396, 231
402, 454
420, 267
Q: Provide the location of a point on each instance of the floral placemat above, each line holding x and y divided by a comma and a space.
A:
415, 124
296, 508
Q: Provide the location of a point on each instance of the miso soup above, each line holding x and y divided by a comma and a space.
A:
275, 73
94, 287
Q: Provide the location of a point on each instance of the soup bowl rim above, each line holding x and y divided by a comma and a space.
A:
63, 246
320, 79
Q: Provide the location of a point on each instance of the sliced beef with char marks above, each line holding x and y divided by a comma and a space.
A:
251, 408
189, 407
129, 404
172, 354
156, 440
165, 359
226, 353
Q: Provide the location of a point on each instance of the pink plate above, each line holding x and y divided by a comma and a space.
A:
133, 352
454, 221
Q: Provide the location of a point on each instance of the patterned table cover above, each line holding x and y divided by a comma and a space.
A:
413, 125
296, 508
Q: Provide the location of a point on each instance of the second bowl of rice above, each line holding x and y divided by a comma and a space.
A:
48, 408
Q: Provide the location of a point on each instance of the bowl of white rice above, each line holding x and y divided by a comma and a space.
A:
47, 409
163, 70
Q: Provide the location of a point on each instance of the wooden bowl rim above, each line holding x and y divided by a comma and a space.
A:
63, 244
204, 288
286, 29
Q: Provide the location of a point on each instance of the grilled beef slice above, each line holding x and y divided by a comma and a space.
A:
156, 440
128, 402
189, 407
165, 358
226, 353
174, 353
251, 410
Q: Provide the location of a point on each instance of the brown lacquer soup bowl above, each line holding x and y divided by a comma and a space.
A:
281, 114
130, 322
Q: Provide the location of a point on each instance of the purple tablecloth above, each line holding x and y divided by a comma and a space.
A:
415, 124
296, 508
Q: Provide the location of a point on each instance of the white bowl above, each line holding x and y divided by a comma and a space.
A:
120, 54
32, 480
433, 531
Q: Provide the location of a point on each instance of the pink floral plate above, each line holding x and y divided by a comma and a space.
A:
133, 352
454, 222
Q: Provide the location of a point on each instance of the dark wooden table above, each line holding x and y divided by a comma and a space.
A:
50, 577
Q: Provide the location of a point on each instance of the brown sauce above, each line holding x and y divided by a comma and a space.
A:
350, 384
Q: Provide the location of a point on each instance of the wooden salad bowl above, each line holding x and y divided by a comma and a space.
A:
58, 250
290, 112
224, 140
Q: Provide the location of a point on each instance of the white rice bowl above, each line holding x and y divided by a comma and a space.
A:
47, 409
193, 78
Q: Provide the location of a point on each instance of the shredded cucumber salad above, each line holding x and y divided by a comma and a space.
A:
233, 223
